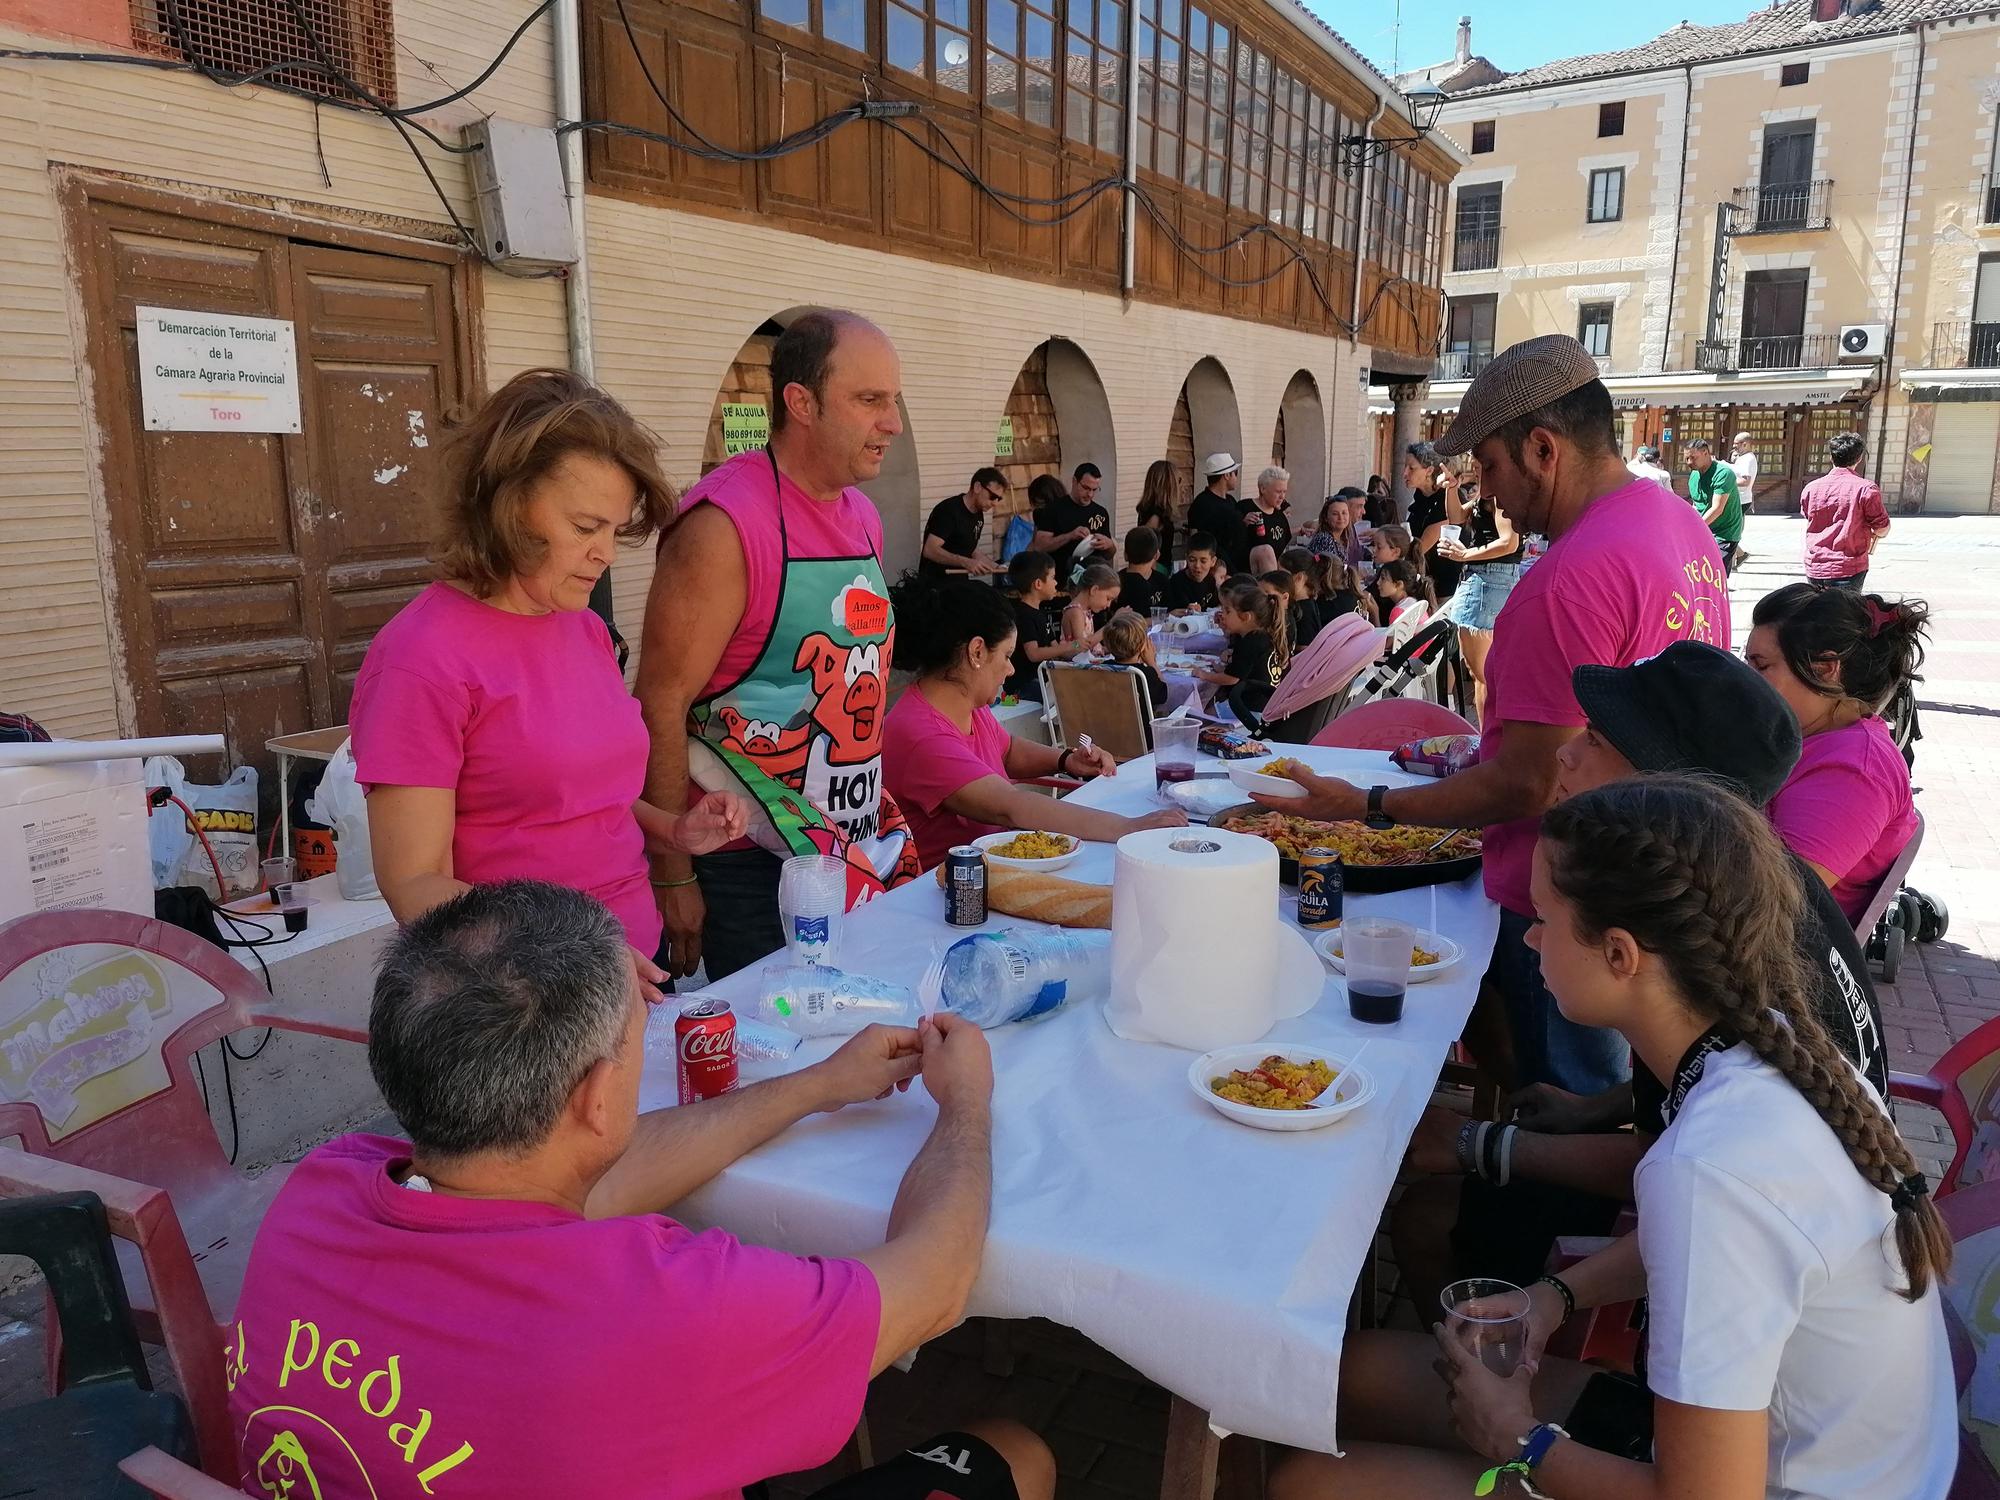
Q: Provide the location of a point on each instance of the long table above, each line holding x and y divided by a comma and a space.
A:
1216, 1259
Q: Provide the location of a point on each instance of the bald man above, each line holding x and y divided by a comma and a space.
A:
767, 649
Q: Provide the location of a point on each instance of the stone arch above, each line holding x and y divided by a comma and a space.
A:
1058, 416
1298, 442
1214, 425
746, 386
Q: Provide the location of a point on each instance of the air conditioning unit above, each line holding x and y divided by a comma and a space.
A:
1863, 340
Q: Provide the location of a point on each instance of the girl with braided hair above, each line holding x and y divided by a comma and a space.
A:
1788, 1251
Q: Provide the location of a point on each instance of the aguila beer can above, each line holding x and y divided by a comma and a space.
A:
705, 1038
1322, 878
965, 886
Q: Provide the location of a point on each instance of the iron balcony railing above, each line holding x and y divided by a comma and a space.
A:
1462, 364
1789, 351
1475, 250
1778, 207
1965, 345
1989, 198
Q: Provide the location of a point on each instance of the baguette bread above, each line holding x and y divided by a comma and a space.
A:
1044, 898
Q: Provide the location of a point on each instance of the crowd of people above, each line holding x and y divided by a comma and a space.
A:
1678, 839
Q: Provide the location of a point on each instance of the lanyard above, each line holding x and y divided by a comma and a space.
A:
1688, 1074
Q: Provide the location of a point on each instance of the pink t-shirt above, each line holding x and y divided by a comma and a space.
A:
1634, 573
404, 1345
742, 490
1847, 808
1842, 512
527, 719
926, 758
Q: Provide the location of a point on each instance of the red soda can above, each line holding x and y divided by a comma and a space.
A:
705, 1038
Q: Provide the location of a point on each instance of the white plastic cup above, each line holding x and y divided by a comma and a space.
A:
1490, 1318
1450, 533
1376, 953
812, 900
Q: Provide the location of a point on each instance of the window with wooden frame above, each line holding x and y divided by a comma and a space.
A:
841, 21
1250, 130
930, 39
1606, 204
1157, 38
1611, 118
1290, 103
1482, 137
1790, 75
1094, 74
1389, 242
1206, 135
1020, 59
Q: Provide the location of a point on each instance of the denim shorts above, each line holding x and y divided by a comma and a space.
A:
1482, 589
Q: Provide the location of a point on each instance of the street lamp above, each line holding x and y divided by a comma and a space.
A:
1425, 103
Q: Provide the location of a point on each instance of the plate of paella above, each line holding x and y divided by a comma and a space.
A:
1280, 1087
1374, 860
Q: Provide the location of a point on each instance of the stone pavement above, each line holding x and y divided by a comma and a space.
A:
1108, 1425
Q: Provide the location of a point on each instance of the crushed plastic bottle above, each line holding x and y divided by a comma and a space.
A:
1019, 973
814, 1000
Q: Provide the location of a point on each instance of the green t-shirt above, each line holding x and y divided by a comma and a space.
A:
1704, 486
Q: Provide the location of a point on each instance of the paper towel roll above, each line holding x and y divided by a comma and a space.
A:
1200, 957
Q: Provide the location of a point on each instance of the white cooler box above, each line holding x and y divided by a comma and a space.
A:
74, 836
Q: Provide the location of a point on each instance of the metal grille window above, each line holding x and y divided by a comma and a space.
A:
1607, 195
1021, 59
1094, 77
1593, 328
241, 36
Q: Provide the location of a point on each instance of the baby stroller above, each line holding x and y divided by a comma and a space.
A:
1428, 661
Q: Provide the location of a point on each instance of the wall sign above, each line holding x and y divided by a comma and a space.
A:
217, 372
1003, 440
745, 427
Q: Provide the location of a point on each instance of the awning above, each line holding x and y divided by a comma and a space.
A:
1822, 387
1953, 385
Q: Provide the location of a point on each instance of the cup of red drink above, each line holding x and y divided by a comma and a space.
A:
1174, 744
1376, 953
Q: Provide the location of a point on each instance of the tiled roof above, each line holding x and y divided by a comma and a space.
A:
1786, 24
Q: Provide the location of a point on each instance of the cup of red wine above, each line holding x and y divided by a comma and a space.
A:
1376, 953
1174, 745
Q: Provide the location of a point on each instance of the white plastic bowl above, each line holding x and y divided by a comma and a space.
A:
1053, 862
1352, 1087
1327, 946
1247, 776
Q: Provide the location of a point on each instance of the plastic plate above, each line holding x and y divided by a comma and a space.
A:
1053, 862
1250, 779
1352, 1087
1327, 946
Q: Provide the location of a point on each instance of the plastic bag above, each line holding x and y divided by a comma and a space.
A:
342, 806
226, 814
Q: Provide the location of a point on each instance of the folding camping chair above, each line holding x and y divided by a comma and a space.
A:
1107, 703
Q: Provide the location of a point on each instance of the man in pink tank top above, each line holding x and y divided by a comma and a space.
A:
767, 647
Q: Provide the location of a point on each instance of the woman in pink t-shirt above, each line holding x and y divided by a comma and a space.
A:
946, 760
492, 727
1837, 658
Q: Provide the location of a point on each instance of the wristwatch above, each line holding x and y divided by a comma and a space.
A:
1377, 817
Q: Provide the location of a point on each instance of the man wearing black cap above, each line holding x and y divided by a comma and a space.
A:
1695, 709
1629, 570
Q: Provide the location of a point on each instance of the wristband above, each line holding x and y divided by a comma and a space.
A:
1489, 1153
1507, 1134
671, 885
1479, 1149
1534, 1448
1468, 1163
1562, 1289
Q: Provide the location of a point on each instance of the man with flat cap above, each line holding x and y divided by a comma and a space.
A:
1630, 569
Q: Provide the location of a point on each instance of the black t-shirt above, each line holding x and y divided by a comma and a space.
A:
1843, 997
1182, 592
1253, 660
1156, 690
1143, 594
1216, 515
958, 528
1066, 515
1307, 621
1273, 531
1031, 625
1482, 529
1426, 511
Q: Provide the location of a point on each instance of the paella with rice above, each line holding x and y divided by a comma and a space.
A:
1357, 843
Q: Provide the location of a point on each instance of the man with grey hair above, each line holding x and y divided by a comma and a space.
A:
498, 1307
1263, 528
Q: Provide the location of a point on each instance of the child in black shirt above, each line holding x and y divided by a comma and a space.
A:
1194, 586
1140, 586
1260, 649
1031, 583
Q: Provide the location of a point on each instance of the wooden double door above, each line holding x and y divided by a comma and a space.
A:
252, 569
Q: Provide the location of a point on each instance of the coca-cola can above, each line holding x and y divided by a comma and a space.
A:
705, 1039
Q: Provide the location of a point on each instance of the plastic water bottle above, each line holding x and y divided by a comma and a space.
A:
815, 1000
1019, 973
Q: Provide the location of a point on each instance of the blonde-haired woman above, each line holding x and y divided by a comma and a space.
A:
493, 731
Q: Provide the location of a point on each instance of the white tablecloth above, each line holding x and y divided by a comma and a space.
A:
1216, 1259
